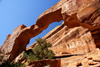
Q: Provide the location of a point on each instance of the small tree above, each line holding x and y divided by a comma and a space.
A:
7, 64
40, 51
24, 55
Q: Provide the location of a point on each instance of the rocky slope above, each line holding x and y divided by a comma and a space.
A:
78, 35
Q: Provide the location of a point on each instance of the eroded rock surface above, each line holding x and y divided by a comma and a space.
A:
88, 60
15, 43
77, 40
89, 14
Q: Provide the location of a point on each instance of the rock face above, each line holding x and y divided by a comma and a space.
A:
89, 14
15, 42
77, 40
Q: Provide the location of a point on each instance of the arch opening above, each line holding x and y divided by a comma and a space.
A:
44, 32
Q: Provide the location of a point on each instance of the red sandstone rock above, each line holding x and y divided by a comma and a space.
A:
81, 61
89, 14
51, 63
77, 41
18, 40
15, 43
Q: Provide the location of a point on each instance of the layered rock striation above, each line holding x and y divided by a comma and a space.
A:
77, 41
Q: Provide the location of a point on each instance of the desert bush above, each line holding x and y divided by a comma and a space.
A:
41, 51
1, 55
7, 64
24, 55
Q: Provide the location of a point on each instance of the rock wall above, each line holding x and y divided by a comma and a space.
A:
15, 43
89, 14
66, 41
77, 41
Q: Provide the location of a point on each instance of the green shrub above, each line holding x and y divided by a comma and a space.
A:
24, 55
18, 65
7, 64
40, 51
1, 55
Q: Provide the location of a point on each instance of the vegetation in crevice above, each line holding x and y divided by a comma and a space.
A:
1, 55
8, 64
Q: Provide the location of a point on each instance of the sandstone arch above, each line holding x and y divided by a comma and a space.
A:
66, 10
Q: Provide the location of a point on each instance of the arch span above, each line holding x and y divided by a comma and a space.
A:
64, 10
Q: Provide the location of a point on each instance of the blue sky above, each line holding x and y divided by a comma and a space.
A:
16, 12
